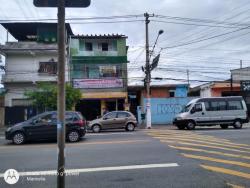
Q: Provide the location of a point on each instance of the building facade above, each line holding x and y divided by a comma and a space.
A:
242, 76
98, 67
216, 89
30, 60
166, 101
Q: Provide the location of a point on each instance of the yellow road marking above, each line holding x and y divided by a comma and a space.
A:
183, 134
234, 186
196, 138
74, 144
220, 141
226, 171
210, 143
247, 165
205, 145
211, 152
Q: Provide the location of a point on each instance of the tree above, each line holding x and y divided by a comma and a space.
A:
45, 96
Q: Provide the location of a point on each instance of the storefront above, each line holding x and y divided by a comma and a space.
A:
93, 104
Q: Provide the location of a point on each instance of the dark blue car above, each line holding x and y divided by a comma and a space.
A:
44, 127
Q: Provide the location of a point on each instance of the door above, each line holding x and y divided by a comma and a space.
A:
197, 113
109, 120
122, 118
41, 127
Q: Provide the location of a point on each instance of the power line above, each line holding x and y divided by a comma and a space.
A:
209, 38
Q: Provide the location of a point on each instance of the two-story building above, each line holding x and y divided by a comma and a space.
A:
29, 60
98, 65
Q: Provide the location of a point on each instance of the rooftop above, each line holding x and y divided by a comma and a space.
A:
108, 36
31, 46
24, 31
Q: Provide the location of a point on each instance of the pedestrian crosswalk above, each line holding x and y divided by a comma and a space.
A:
215, 154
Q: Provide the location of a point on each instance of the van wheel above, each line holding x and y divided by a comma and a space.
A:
96, 128
223, 126
181, 127
237, 124
190, 125
18, 138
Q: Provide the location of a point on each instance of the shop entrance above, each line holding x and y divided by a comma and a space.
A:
90, 109
111, 105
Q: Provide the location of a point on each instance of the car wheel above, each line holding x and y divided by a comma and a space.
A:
223, 126
181, 127
96, 128
18, 138
190, 125
130, 127
237, 124
73, 136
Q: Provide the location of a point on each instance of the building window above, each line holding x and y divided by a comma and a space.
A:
81, 45
171, 93
108, 71
88, 46
48, 67
105, 46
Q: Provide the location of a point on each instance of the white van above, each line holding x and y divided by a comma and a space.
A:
223, 111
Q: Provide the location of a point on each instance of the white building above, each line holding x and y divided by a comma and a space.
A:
32, 59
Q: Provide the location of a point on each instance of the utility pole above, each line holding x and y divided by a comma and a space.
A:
241, 64
61, 4
61, 95
148, 73
188, 76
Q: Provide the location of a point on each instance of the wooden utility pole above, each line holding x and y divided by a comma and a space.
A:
148, 74
61, 94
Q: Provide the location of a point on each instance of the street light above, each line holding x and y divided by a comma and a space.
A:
148, 71
159, 33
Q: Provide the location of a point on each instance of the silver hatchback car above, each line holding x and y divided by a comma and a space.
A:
114, 120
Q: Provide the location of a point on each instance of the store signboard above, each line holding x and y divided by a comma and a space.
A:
97, 83
245, 85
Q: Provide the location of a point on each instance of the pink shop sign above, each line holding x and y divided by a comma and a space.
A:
97, 83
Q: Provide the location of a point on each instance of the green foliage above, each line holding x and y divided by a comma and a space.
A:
45, 96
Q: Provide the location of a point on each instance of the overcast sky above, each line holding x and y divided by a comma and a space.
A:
210, 59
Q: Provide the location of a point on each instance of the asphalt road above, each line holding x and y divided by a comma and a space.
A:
160, 157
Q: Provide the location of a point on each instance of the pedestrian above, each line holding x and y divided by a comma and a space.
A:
105, 111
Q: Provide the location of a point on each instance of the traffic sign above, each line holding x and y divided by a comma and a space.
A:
155, 62
68, 3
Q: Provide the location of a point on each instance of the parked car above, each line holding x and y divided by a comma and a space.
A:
44, 127
223, 111
114, 120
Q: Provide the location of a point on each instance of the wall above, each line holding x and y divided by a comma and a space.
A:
164, 109
205, 92
21, 67
16, 91
120, 49
241, 74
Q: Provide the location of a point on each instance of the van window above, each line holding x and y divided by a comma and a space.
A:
222, 105
218, 106
207, 106
198, 107
235, 105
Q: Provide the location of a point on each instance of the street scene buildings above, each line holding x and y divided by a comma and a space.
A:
124, 94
